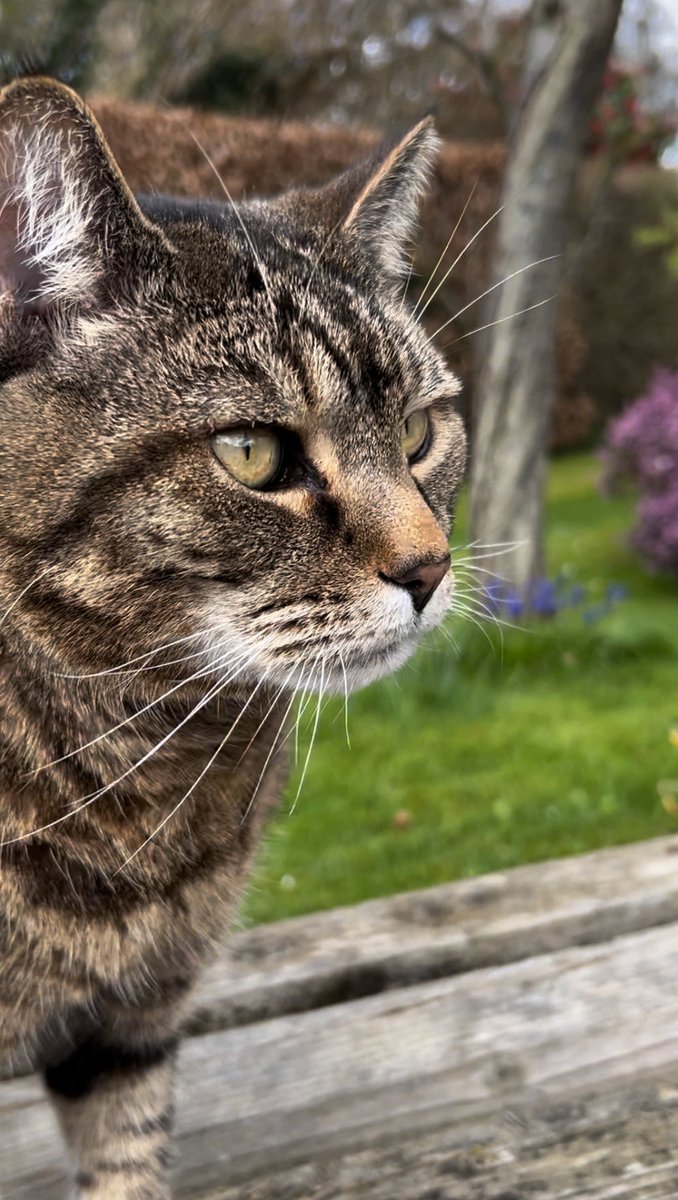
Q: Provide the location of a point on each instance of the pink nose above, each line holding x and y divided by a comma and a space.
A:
421, 580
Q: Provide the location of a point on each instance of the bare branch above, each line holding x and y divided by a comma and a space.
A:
484, 66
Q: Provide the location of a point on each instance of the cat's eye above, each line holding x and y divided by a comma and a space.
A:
415, 434
253, 456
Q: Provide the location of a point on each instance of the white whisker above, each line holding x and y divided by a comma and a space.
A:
461, 255
485, 614
459, 611
87, 800
22, 593
448, 243
507, 278
313, 735
343, 671
408, 277
507, 549
195, 783
318, 259
139, 657
501, 320
208, 670
236, 210
303, 704
270, 754
264, 719
470, 566
491, 545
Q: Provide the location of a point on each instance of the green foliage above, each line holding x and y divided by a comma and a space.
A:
625, 298
664, 237
525, 744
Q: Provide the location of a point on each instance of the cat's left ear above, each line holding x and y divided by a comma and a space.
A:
376, 203
71, 232
384, 214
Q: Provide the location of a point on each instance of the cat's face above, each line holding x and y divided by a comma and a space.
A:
220, 430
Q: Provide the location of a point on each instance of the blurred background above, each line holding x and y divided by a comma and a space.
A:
544, 719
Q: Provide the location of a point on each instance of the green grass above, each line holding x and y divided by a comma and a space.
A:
548, 741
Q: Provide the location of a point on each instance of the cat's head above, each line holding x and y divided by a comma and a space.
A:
222, 430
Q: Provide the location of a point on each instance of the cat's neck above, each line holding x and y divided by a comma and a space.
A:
101, 747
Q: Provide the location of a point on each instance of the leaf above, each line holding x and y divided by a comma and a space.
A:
668, 795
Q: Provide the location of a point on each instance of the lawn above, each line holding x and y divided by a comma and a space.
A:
518, 745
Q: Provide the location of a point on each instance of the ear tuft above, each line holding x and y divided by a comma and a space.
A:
63, 204
47, 216
385, 213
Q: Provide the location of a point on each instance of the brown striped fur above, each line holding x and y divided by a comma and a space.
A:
157, 615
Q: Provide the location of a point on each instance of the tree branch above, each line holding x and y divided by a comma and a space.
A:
484, 66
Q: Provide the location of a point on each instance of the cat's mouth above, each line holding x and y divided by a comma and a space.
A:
342, 670
348, 666
355, 664
327, 657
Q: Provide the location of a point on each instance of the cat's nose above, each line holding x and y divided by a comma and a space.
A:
420, 580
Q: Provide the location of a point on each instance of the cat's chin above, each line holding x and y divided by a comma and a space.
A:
378, 665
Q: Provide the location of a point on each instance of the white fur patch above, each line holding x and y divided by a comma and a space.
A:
55, 211
93, 331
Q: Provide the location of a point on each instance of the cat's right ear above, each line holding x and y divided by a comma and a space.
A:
72, 236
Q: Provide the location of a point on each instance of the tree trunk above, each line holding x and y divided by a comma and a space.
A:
568, 47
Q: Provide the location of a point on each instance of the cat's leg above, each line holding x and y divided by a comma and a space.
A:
114, 1099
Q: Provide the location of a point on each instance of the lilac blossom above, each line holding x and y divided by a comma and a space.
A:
642, 446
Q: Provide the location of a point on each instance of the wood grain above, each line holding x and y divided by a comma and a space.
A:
331, 957
544, 1071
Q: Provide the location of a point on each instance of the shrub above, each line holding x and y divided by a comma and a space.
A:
620, 127
642, 446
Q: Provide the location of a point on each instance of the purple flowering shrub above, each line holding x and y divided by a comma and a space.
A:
641, 445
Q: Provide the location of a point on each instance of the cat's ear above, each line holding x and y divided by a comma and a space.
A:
69, 226
383, 215
376, 203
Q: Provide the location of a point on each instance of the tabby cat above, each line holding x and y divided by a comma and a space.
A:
228, 457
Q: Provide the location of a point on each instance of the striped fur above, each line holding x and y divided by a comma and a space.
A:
157, 615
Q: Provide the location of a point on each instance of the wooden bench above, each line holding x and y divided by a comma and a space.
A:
512, 1036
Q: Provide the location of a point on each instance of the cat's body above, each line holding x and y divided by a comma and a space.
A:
227, 458
80, 933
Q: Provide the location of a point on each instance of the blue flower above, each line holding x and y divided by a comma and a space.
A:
513, 604
615, 592
544, 599
593, 614
493, 594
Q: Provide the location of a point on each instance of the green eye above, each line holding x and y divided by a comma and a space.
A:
415, 434
252, 456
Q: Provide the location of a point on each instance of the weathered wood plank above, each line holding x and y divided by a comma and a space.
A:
594, 1147
346, 953
490, 1058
